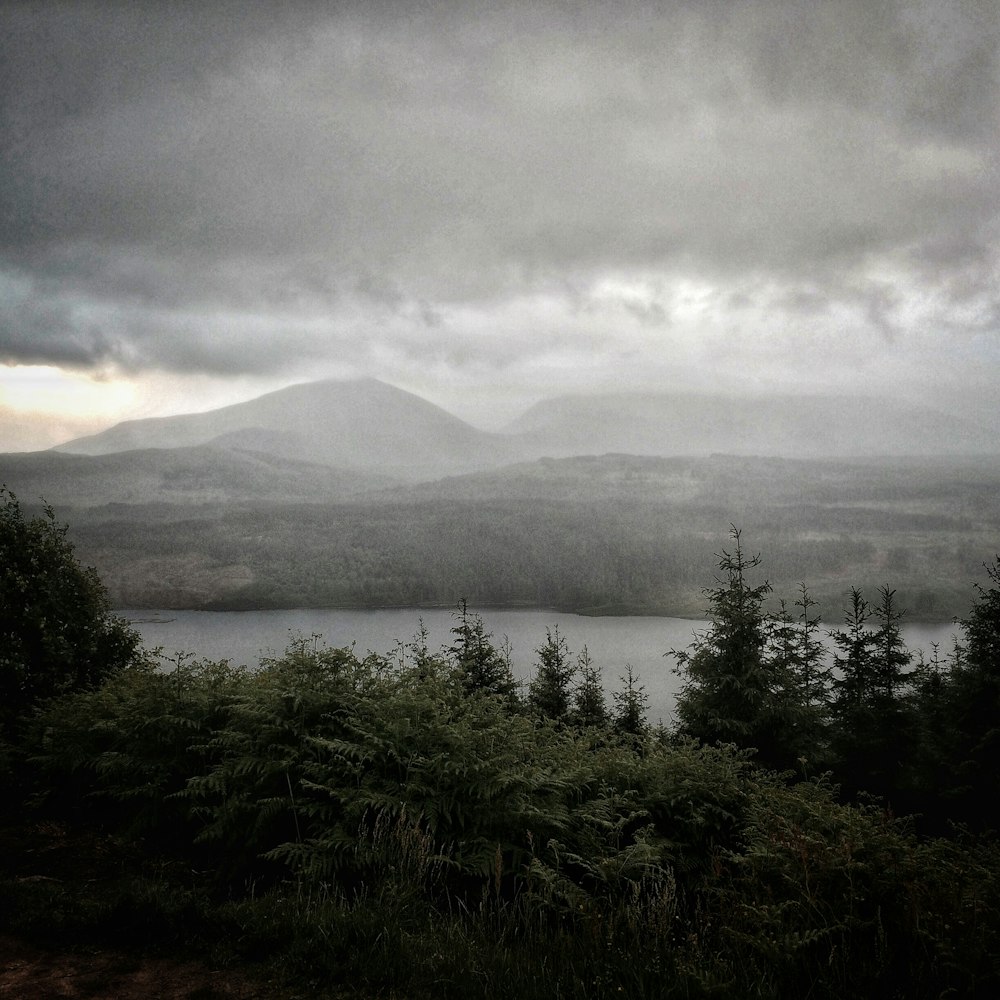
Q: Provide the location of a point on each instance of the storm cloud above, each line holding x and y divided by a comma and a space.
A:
536, 193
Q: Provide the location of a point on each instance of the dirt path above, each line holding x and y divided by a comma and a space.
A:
28, 972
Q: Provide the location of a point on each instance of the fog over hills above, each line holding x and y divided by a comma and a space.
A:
369, 426
781, 426
362, 424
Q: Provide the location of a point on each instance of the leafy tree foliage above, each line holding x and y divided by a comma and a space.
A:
399, 811
416, 830
57, 632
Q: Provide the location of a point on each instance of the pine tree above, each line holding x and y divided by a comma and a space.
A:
973, 709
550, 690
874, 737
734, 691
796, 658
631, 704
482, 669
891, 655
814, 673
589, 706
854, 661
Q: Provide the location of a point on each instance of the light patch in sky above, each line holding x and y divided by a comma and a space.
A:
35, 388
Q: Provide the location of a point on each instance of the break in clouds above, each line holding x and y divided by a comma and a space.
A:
543, 195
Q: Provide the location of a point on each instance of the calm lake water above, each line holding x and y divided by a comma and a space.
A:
244, 637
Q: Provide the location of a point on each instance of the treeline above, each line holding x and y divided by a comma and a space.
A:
922, 733
419, 825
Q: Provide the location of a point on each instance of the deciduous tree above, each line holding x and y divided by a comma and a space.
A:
57, 632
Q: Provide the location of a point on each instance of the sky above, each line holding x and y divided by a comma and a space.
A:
488, 204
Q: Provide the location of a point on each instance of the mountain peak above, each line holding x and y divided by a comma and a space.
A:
357, 423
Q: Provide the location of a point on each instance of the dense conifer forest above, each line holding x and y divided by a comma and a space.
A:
419, 825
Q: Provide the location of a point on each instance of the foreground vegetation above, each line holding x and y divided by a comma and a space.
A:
419, 826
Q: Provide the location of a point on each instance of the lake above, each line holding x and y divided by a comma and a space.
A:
244, 637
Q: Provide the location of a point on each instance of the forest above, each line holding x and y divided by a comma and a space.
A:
420, 825
609, 534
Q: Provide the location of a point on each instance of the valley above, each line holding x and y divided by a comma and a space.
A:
360, 495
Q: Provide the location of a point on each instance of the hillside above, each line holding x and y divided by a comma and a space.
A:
363, 425
604, 534
188, 475
368, 426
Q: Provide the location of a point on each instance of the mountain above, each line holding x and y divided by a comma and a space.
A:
363, 424
367, 428
703, 424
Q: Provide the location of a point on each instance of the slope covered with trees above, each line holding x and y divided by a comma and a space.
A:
611, 534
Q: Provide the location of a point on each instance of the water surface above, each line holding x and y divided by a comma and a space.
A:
244, 637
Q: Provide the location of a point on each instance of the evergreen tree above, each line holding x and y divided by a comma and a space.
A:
550, 690
814, 673
482, 669
630, 706
874, 736
797, 664
589, 706
890, 652
854, 658
734, 691
973, 709
933, 766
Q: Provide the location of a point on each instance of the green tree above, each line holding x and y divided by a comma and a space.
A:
481, 667
628, 718
57, 633
734, 691
550, 691
814, 673
854, 660
875, 728
797, 661
589, 706
973, 709
891, 655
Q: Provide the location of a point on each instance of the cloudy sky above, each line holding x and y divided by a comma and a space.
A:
490, 204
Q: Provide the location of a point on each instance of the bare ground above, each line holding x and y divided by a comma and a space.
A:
30, 972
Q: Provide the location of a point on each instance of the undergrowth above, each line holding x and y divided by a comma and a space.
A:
359, 826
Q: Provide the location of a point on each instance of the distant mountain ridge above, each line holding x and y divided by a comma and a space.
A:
369, 427
787, 426
363, 424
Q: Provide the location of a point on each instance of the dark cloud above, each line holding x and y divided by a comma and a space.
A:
237, 186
